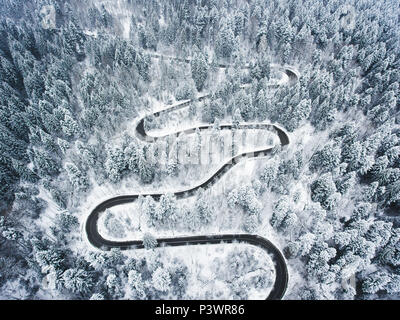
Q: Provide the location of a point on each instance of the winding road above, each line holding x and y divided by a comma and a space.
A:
96, 239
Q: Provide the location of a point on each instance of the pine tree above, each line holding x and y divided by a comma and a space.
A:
161, 279
148, 206
167, 208
114, 285
66, 221
147, 38
87, 154
322, 188
97, 296
78, 178
326, 159
375, 282
44, 163
63, 145
192, 218
149, 241
199, 68
393, 286
69, 126
270, 173
204, 211
280, 210
225, 42
263, 105
78, 280
48, 258
136, 283
244, 103
146, 171
115, 164
24, 172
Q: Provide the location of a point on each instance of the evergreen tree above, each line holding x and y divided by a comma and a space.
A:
161, 279
44, 163
167, 208
199, 68
204, 211
375, 282
78, 281
322, 188
136, 283
326, 159
225, 42
149, 241
244, 104
78, 178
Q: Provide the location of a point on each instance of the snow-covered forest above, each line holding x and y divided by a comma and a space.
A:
77, 78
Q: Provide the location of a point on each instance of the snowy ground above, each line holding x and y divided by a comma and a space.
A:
214, 273
132, 224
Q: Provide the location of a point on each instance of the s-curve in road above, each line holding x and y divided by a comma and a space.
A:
281, 272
